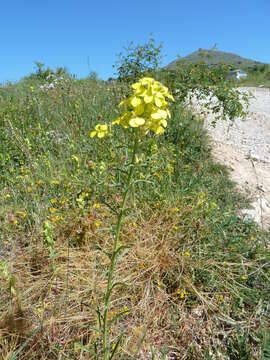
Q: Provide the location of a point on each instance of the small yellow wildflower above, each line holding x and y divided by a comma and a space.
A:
219, 298
52, 210
54, 182
137, 330
75, 159
182, 293
97, 223
187, 254
56, 218
124, 310
100, 131
96, 206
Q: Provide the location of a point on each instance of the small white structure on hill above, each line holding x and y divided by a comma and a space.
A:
238, 74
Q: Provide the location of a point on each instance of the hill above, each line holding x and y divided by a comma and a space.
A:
214, 57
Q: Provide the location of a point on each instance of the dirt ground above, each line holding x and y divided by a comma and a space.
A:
244, 147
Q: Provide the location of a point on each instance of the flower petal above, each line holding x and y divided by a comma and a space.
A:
136, 122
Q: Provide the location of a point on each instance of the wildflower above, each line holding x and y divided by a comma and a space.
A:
54, 182
124, 310
187, 254
219, 298
182, 293
56, 218
75, 159
97, 223
100, 131
146, 109
52, 210
96, 206
137, 330
80, 202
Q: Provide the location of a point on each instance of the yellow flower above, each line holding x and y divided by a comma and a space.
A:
182, 293
136, 122
97, 223
219, 298
75, 159
146, 108
56, 218
100, 131
124, 310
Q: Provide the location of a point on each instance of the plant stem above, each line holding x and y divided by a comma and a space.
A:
106, 345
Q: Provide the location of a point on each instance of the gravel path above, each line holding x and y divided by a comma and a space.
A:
244, 147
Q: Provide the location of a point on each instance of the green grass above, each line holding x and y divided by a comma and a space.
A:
258, 75
196, 275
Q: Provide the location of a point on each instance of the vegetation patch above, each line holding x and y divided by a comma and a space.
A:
192, 278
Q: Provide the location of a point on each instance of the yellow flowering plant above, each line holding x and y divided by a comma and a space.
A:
146, 110
100, 131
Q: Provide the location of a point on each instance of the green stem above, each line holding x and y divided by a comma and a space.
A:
106, 345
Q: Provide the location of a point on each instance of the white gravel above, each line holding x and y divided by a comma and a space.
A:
244, 146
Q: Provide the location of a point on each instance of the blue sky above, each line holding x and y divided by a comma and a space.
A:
83, 34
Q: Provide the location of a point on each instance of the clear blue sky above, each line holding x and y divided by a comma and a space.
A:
68, 32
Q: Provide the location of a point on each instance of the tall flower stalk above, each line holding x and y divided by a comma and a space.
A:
145, 111
115, 252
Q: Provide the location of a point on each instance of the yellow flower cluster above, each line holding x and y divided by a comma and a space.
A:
146, 109
100, 131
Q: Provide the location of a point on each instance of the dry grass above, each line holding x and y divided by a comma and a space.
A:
59, 309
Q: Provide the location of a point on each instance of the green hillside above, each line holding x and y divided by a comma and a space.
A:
214, 57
